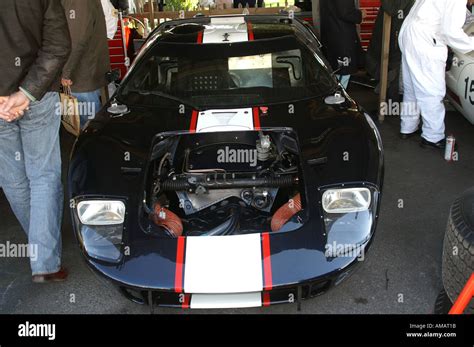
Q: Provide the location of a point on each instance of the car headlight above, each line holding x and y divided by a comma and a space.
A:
346, 200
101, 228
101, 212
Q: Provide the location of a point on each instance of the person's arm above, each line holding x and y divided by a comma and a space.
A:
81, 27
111, 19
347, 11
452, 27
54, 51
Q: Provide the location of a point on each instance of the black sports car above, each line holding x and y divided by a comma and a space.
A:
229, 170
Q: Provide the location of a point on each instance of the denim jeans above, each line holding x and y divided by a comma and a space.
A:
89, 105
30, 176
344, 80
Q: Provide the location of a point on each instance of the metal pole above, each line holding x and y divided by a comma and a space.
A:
317, 17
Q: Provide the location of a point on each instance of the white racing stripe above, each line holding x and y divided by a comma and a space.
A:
223, 265
225, 120
216, 301
226, 29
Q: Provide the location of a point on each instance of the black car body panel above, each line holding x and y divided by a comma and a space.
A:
339, 147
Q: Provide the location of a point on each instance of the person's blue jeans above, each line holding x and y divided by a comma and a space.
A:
344, 80
30, 176
89, 105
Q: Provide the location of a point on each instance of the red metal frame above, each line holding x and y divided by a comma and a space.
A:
367, 27
118, 50
464, 298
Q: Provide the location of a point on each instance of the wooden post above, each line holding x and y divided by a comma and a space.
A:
152, 14
387, 27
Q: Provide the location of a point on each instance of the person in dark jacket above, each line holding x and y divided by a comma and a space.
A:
120, 5
249, 3
35, 44
85, 71
339, 36
398, 10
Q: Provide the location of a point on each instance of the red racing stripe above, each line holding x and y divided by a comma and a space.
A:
250, 31
178, 279
194, 121
266, 299
187, 301
256, 118
267, 262
200, 37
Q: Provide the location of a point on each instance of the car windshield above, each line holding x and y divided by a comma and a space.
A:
235, 74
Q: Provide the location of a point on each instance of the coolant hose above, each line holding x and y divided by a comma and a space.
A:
168, 220
286, 212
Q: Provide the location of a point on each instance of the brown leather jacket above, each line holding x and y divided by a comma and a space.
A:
34, 45
89, 60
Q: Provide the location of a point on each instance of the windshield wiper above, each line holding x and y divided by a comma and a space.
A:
165, 96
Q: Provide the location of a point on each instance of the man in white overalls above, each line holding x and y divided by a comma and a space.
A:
429, 29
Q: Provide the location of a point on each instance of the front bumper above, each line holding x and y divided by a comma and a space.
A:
289, 275
239, 271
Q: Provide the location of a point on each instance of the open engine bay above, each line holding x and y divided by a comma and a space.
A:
224, 183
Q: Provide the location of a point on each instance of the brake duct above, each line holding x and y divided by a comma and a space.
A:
168, 220
286, 212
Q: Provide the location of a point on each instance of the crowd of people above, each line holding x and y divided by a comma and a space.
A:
49, 43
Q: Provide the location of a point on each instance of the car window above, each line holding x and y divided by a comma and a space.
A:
238, 74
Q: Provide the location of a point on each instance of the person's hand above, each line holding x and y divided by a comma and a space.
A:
3, 99
66, 82
14, 106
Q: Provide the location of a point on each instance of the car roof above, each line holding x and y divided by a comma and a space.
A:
229, 28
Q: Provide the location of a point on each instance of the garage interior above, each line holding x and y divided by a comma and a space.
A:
402, 273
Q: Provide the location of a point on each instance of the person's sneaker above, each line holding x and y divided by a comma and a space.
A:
407, 136
438, 145
59, 276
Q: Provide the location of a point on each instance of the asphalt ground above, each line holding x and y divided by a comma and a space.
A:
401, 273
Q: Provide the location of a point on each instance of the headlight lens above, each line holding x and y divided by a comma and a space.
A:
346, 200
101, 212
103, 242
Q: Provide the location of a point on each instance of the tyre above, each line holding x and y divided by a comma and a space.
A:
443, 304
458, 248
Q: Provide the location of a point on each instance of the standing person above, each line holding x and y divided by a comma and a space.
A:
121, 5
249, 3
111, 18
85, 71
339, 36
429, 29
35, 45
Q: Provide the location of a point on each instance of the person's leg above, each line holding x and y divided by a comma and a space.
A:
239, 2
430, 88
410, 116
39, 130
430, 99
344, 80
251, 3
13, 178
89, 105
